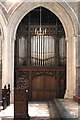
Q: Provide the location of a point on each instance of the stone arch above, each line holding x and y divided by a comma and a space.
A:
66, 17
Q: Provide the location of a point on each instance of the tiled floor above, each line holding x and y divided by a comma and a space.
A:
8, 112
45, 110
37, 110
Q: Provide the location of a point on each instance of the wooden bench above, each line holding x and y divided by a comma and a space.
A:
6, 96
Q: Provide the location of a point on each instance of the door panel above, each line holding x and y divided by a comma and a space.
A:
35, 95
53, 94
40, 95
38, 83
43, 87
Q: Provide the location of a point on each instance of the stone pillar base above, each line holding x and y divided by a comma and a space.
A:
68, 94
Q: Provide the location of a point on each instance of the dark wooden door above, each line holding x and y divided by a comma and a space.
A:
44, 87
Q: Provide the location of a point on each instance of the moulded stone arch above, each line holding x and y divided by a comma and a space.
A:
70, 29
61, 10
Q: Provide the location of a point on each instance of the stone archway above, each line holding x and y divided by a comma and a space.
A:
70, 31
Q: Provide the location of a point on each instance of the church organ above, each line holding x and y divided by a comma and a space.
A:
40, 57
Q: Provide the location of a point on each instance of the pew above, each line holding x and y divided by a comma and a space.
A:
6, 96
4, 99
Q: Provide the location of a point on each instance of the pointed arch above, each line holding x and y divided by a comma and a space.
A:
69, 23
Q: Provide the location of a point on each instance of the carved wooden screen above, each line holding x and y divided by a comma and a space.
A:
43, 83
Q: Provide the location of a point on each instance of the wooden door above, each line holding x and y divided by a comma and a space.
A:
44, 88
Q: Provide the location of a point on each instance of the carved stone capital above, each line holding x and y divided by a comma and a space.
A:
13, 40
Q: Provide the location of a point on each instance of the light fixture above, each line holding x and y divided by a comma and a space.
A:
40, 31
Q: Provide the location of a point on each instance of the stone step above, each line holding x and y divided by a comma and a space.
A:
63, 112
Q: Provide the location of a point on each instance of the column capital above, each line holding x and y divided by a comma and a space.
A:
66, 39
13, 40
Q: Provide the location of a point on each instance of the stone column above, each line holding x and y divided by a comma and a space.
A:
71, 67
12, 69
78, 66
8, 65
74, 64
67, 89
5, 62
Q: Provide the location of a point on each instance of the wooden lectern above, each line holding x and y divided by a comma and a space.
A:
21, 104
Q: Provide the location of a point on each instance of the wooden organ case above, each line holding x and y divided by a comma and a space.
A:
40, 61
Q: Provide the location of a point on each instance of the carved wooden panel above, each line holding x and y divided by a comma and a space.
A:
50, 30
43, 83
22, 79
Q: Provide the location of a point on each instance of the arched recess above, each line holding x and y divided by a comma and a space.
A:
68, 23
